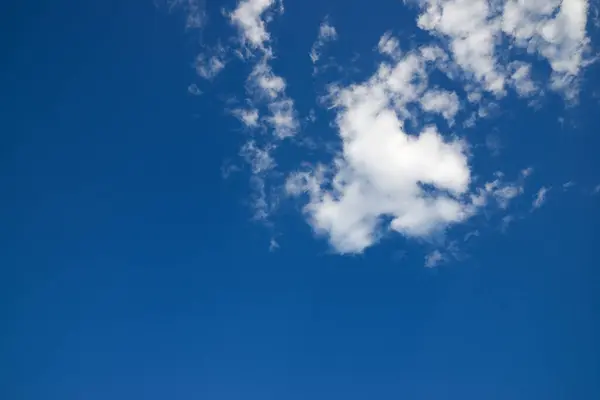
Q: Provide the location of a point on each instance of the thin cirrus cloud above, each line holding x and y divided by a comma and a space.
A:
397, 170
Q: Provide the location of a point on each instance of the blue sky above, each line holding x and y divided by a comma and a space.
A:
260, 199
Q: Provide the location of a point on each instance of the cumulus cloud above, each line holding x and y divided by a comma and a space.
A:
442, 102
555, 29
327, 33
520, 79
471, 31
412, 184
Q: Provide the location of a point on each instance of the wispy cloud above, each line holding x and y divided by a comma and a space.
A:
434, 259
194, 90
194, 10
327, 33
540, 198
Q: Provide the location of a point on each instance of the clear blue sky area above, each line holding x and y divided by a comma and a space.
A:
132, 268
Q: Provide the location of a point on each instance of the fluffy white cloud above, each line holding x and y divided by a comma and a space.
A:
388, 45
521, 79
414, 184
247, 18
248, 117
267, 86
442, 102
473, 29
554, 28
209, 67
327, 33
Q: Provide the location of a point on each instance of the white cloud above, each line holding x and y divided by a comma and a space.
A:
327, 33
262, 163
503, 193
540, 198
567, 185
249, 117
247, 18
273, 245
271, 88
526, 172
441, 101
209, 67
266, 89
521, 79
194, 12
433, 259
264, 82
469, 27
418, 183
473, 29
555, 29
259, 158
193, 89
388, 45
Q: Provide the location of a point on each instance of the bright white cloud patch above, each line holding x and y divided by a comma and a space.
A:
474, 30
442, 102
417, 182
471, 31
248, 18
